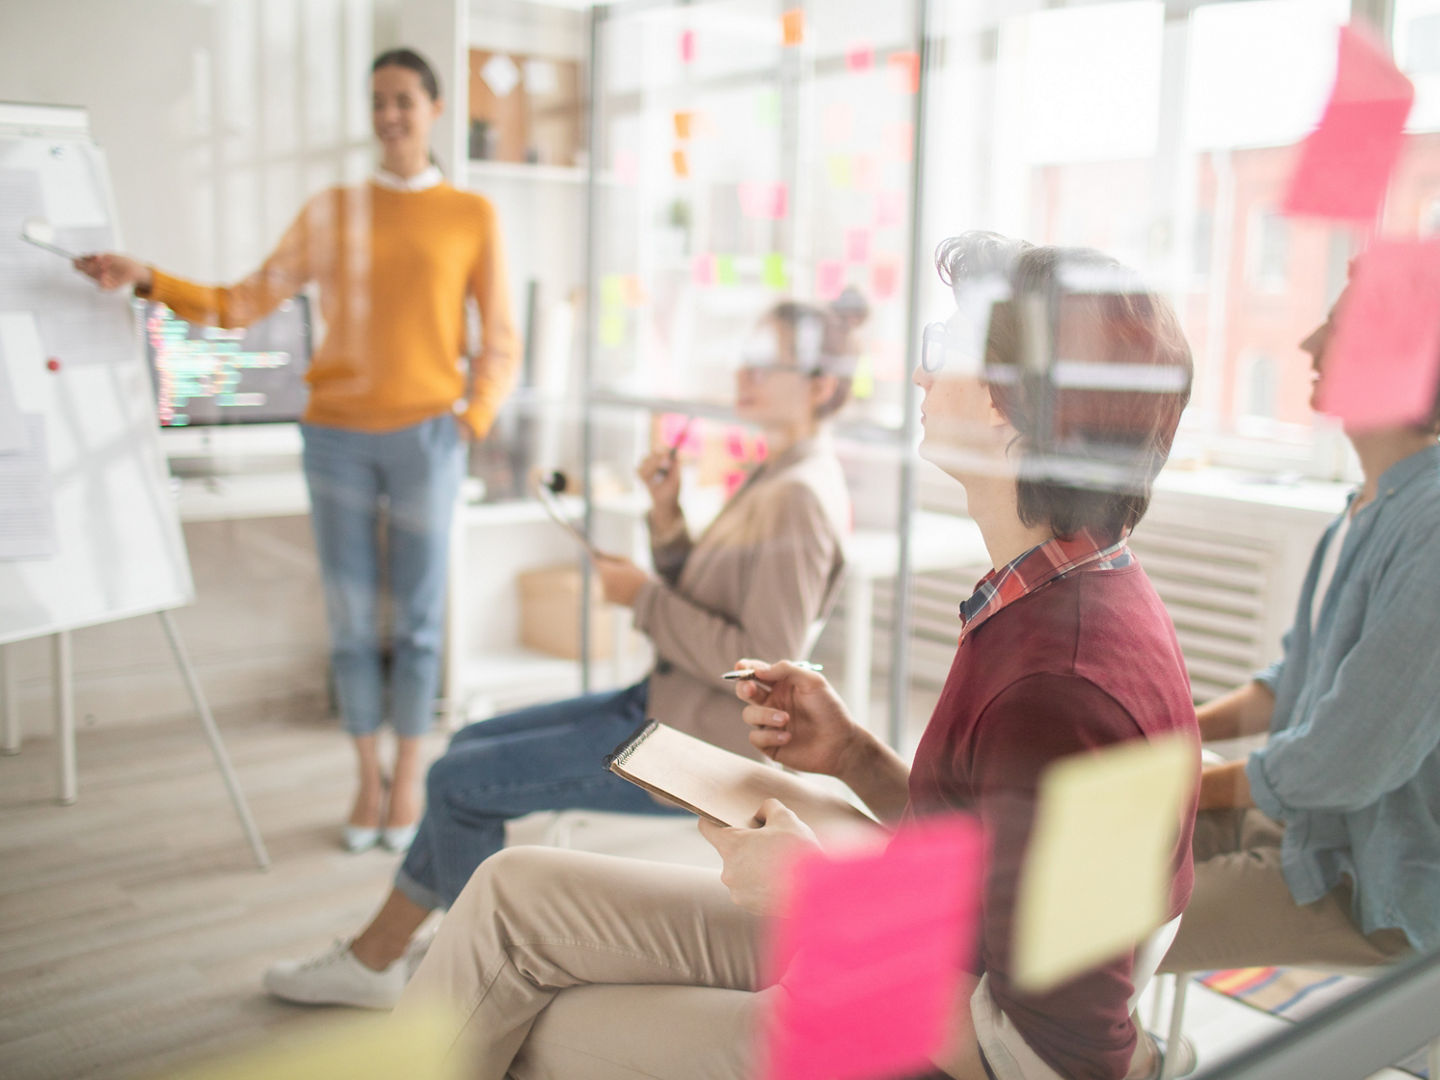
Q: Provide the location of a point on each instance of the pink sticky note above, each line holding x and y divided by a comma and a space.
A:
1382, 363
857, 245
732, 481
1345, 163
860, 58
687, 46
762, 448
837, 123
702, 269
865, 172
735, 443
871, 954
889, 208
829, 278
761, 200
885, 279
627, 167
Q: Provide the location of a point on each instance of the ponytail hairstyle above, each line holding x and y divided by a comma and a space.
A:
823, 341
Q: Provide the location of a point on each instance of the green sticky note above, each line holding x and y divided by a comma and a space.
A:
837, 170
863, 384
772, 271
725, 270
612, 291
767, 108
612, 328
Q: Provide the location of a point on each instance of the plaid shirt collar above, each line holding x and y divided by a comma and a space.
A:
1035, 568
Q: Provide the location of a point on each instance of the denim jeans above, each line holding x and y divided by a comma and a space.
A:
550, 757
415, 473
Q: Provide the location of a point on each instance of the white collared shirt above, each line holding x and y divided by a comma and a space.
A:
427, 177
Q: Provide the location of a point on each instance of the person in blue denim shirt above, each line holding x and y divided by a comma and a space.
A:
1323, 846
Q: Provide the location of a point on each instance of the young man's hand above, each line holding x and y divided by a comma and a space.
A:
756, 860
796, 717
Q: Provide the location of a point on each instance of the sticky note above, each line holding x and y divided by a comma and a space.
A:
862, 385
627, 167
725, 270
900, 140
612, 291
772, 271
612, 328
837, 170
684, 122
1382, 362
865, 172
702, 269
764, 200
837, 123
905, 67
732, 481
735, 443
885, 278
762, 448
1344, 165
870, 952
1096, 878
889, 208
792, 26
634, 292
767, 108
859, 58
687, 46
677, 430
857, 245
829, 278
681, 163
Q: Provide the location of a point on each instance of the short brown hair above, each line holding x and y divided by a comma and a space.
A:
1096, 404
839, 349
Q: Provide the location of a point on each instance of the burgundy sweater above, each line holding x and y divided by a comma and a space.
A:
1085, 661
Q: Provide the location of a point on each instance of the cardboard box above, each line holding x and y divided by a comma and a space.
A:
550, 614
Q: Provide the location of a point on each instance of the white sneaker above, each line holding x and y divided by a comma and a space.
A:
337, 978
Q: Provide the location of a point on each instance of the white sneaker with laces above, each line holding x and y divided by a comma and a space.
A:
336, 977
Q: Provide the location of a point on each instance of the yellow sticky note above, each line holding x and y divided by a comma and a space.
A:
612, 291
1096, 878
837, 170
863, 384
772, 271
414, 1046
725, 270
612, 328
767, 108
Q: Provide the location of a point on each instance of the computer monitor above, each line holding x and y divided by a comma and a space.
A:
210, 376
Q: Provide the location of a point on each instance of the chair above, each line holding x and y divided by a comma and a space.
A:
1182, 986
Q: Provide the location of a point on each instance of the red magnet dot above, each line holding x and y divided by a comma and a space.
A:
53, 364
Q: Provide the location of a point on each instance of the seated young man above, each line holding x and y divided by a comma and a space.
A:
570, 964
1323, 847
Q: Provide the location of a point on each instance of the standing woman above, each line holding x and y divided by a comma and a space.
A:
395, 260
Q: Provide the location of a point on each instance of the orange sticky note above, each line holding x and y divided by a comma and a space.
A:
792, 26
1345, 163
866, 172
633, 291
683, 124
681, 163
1382, 363
906, 66
860, 58
885, 278
870, 950
829, 278
900, 140
857, 245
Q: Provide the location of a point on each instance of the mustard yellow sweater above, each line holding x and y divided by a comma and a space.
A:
394, 269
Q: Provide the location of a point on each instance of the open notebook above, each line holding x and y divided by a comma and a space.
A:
727, 788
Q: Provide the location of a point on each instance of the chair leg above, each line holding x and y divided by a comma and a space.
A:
1177, 1025
1157, 1000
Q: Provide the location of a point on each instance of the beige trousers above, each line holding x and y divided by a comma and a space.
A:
1241, 913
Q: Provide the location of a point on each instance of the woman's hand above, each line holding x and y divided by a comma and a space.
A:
661, 475
796, 718
620, 579
756, 860
112, 271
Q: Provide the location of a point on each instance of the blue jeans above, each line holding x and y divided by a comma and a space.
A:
416, 473
550, 757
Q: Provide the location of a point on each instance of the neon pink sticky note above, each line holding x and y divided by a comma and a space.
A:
857, 245
687, 46
735, 443
871, 952
885, 279
1381, 366
1345, 163
732, 481
702, 269
677, 430
889, 208
829, 278
762, 448
860, 58
761, 200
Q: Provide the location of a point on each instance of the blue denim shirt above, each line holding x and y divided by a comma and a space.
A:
1352, 765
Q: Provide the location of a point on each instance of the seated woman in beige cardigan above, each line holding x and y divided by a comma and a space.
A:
751, 584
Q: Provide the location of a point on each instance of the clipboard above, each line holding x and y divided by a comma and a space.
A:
726, 788
557, 514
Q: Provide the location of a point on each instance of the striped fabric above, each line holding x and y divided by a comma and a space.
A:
1036, 568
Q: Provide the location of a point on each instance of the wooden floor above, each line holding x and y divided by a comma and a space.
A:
134, 926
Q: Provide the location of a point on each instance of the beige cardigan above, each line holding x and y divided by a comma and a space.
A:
752, 585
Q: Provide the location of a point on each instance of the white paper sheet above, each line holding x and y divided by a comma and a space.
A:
500, 74
73, 193
27, 498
